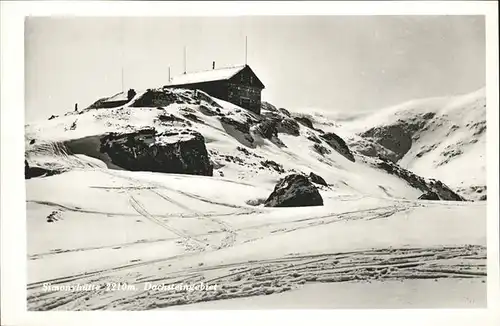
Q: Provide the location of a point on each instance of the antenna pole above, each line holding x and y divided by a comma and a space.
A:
246, 49
121, 55
169, 79
185, 59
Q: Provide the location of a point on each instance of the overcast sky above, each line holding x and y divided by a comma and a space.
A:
341, 63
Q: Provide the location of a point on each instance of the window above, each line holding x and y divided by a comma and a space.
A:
251, 80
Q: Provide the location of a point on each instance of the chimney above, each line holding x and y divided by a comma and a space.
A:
213, 65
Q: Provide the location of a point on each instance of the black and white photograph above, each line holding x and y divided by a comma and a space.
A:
256, 162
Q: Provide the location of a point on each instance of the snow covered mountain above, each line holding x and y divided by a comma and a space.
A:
442, 138
174, 187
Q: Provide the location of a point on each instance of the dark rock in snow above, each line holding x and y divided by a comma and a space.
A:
192, 117
295, 190
54, 217
207, 110
313, 138
155, 98
243, 127
398, 137
35, 171
395, 138
53, 117
202, 96
170, 118
427, 186
317, 179
268, 128
483, 197
237, 129
288, 126
272, 165
429, 196
268, 107
337, 144
320, 149
370, 148
244, 150
26, 170
429, 115
182, 152
285, 112
305, 121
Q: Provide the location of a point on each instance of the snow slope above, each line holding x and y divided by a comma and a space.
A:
448, 137
96, 224
54, 137
151, 228
415, 293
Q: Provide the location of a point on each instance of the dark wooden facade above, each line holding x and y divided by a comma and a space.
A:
243, 88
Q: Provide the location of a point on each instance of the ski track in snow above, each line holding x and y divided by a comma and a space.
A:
249, 278
261, 277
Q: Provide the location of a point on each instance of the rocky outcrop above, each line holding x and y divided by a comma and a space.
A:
443, 191
285, 112
294, 190
472, 192
202, 96
280, 122
239, 130
317, 179
338, 144
206, 110
372, 149
268, 128
430, 195
155, 98
26, 170
313, 138
172, 119
182, 152
192, 117
395, 138
265, 106
35, 171
399, 136
272, 165
426, 186
288, 126
320, 149
305, 121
